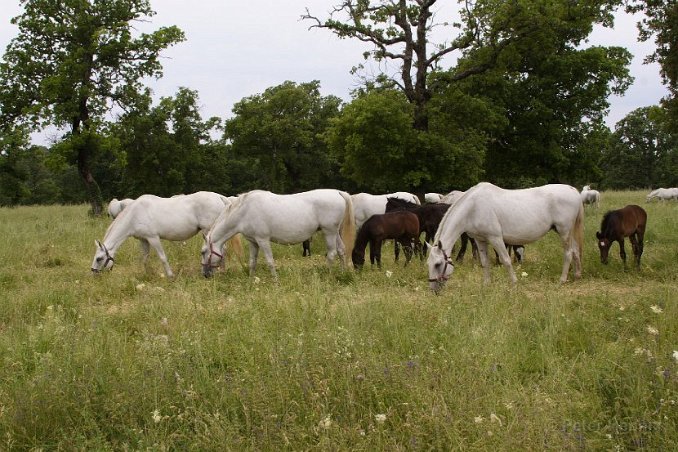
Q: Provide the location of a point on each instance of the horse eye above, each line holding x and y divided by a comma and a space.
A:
99, 259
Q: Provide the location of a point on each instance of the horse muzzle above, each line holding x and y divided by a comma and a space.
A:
207, 271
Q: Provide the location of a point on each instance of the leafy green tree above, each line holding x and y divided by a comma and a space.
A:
278, 132
378, 149
72, 62
167, 148
643, 152
400, 32
551, 91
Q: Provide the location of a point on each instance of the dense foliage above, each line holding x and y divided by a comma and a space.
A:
524, 105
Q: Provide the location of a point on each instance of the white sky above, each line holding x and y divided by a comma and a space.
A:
238, 48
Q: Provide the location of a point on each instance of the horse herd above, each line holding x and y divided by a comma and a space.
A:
483, 215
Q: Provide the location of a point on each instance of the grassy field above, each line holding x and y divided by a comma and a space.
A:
328, 359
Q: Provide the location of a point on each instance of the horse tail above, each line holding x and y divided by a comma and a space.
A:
347, 228
577, 233
235, 247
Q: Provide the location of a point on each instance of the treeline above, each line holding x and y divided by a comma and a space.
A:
523, 105
291, 138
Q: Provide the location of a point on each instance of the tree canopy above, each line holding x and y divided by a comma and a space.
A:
72, 62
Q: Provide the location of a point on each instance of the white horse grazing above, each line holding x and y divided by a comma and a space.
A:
116, 206
150, 218
663, 194
492, 215
589, 196
433, 197
365, 205
262, 217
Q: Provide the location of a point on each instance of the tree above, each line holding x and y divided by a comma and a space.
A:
400, 31
278, 132
643, 152
72, 62
550, 89
165, 146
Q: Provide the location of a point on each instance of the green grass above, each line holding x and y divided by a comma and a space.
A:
327, 359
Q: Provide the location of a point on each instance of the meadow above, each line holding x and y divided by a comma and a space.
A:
328, 359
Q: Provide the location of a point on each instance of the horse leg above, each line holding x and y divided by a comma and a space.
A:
484, 260
462, 249
157, 246
145, 250
377, 251
396, 250
635, 248
331, 243
640, 234
306, 248
407, 247
254, 253
265, 245
503, 257
622, 251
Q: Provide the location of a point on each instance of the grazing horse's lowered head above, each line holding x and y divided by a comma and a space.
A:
103, 258
440, 267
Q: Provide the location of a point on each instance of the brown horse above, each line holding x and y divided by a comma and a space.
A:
429, 216
626, 222
401, 226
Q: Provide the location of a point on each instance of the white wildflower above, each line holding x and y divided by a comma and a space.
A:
652, 330
495, 418
326, 423
478, 419
656, 309
524, 274
380, 418
140, 287
389, 273
257, 280
156, 416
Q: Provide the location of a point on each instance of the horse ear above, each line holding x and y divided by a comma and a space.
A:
428, 245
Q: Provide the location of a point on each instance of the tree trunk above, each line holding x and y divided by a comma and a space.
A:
91, 186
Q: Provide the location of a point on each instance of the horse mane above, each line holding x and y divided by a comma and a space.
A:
610, 219
241, 199
403, 203
456, 203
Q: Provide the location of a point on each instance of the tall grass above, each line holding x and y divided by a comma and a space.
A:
330, 359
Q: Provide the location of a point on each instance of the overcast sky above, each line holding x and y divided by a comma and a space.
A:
236, 48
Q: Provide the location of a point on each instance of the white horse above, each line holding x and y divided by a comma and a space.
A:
262, 217
150, 218
589, 196
365, 204
492, 215
663, 194
433, 197
452, 197
116, 206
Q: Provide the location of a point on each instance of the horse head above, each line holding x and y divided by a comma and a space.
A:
103, 258
210, 257
604, 246
358, 258
440, 267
